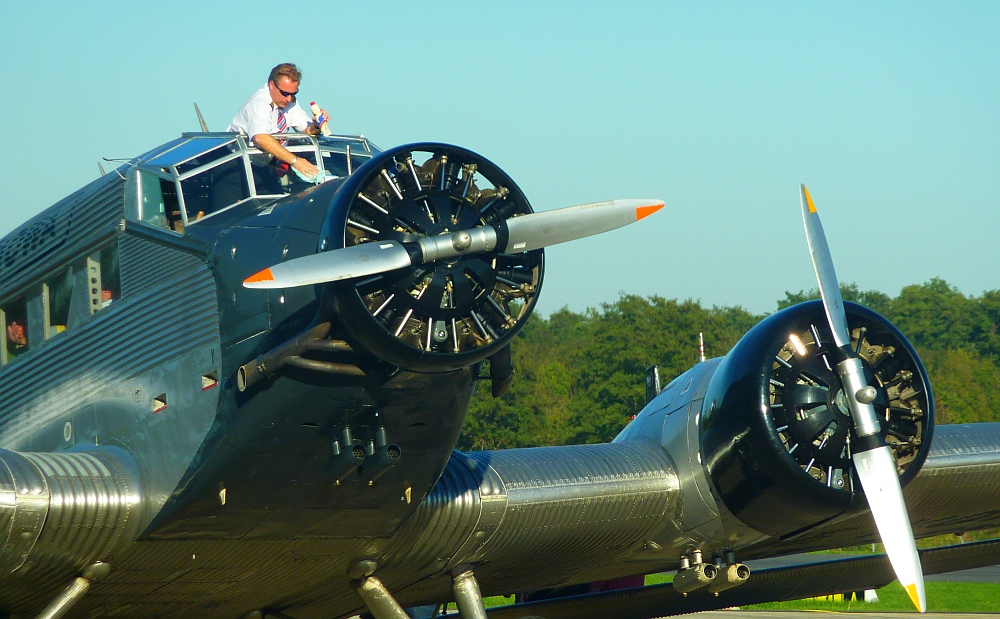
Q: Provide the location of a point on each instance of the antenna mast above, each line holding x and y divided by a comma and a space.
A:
701, 348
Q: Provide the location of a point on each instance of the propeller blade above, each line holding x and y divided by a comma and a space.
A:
874, 464
877, 471
829, 287
537, 230
334, 265
526, 233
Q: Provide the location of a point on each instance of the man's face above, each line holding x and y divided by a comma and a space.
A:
283, 92
15, 333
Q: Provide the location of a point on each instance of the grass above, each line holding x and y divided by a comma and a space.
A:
942, 597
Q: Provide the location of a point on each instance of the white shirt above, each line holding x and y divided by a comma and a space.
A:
259, 114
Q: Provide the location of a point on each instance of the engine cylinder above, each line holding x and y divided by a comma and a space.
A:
776, 430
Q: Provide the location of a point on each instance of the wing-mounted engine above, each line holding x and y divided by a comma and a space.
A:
776, 429
438, 314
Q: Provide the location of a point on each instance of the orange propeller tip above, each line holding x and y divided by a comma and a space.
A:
260, 276
646, 211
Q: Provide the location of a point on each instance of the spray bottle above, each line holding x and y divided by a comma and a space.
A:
319, 118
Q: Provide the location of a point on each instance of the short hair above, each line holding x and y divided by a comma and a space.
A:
285, 69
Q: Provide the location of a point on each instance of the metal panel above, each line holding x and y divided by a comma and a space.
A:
574, 504
147, 266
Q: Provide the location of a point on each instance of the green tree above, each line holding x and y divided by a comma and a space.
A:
966, 386
579, 376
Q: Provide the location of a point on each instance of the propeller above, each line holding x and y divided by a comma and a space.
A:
873, 461
513, 236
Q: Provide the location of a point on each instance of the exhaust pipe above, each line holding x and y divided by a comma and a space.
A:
734, 575
347, 457
694, 578
382, 458
289, 353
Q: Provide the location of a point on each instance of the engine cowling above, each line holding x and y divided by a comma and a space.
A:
776, 431
447, 314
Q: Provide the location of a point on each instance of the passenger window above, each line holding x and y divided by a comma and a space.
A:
102, 282
104, 268
15, 333
60, 303
215, 189
59, 292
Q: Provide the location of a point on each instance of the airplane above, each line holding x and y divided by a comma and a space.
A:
226, 391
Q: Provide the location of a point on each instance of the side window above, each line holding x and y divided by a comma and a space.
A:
153, 200
152, 208
215, 189
15, 333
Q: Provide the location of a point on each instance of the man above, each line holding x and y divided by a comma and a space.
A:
273, 109
17, 339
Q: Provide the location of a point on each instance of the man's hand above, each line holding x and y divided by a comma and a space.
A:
307, 169
326, 119
316, 128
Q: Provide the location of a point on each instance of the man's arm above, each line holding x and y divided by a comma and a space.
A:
273, 147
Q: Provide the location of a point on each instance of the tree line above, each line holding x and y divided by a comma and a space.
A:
580, 376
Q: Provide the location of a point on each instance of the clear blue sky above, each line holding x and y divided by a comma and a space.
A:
889, 113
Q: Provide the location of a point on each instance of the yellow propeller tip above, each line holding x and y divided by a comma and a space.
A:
911, 590
809, 200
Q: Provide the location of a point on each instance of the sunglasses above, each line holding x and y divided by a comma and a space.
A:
285, 93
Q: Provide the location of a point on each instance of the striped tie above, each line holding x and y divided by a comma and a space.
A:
282, 124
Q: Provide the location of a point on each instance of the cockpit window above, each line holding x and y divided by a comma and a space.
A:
151, 198
207, 158
214, 171
215, 188
193, 147
276, 178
